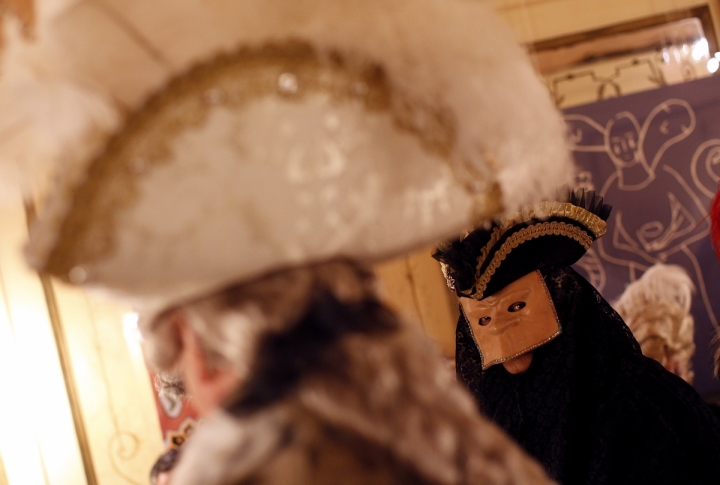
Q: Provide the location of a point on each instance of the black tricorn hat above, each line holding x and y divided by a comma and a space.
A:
547, 234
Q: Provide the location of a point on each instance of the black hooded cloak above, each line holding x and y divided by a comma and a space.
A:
591, 408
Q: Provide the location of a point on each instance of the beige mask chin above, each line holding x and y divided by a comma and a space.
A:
512, 322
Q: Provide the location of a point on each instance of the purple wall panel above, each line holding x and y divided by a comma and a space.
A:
655, 157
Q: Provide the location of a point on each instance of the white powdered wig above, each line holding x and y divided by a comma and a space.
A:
396, 398
662, 284
387, 393
656, 307
92, 61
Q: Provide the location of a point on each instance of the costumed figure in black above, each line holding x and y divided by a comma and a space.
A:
574, 388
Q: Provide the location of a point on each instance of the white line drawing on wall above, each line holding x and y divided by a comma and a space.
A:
705, 176
664, 201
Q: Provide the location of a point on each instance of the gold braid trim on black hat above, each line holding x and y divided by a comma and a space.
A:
592, 222
545, 210
488, 258
524, 235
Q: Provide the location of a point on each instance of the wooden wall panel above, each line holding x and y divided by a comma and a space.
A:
415, 287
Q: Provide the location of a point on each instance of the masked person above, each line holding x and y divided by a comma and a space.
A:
232, 168
550, 361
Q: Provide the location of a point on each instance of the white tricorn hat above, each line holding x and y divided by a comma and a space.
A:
203, 142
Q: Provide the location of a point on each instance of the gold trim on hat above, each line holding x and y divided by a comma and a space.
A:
555, 228
291, 70
545, 210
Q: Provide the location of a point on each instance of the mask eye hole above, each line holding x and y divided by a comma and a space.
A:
484, 321
517, 306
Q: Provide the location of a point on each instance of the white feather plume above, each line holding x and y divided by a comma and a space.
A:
50, 121
91, 57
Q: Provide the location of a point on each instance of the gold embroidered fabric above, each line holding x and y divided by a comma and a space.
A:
555, 228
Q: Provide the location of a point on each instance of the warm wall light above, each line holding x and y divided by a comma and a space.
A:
77, 404
700, 50
713, 64
38, 442
133, 337
17, 441
130, 329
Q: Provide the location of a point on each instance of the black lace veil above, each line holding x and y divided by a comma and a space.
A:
591, 408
